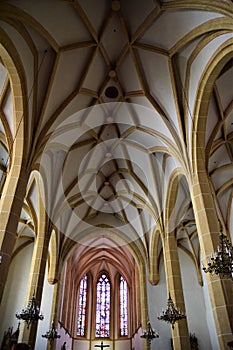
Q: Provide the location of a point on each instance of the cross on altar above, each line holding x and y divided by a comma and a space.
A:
102, 346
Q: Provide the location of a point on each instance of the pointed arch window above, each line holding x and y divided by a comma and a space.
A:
103, 298
123, 307
82, 307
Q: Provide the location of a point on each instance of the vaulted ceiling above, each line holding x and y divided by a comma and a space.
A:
112, 91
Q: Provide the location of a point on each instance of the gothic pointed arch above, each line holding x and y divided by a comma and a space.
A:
16, 174
103, 305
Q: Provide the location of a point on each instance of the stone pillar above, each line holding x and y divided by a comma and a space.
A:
180, 334
144, 302
220, 291
154, 259
10, 210
16, 180
37, 274
54, 313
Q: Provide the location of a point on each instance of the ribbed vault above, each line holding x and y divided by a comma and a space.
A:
111, 113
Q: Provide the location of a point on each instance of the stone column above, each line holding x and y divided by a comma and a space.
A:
220, 291
180, 334
14, 188
143, 301
154, 259
54, 313
37, 274
10, 210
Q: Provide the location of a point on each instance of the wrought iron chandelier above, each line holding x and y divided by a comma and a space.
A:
149, 333
31, 313
52, 334
221, 262
171, 314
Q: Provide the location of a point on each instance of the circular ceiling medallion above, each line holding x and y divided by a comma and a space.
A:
112, 73
108, 155
110, 119
111, 92
116, 5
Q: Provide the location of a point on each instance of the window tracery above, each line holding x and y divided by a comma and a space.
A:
103, 298
82, 306
123, 307
101, 303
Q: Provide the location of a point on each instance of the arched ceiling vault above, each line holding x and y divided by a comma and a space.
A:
110, 106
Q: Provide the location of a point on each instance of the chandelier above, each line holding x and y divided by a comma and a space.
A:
171, 314
149, 333
31, 313
221, 262
52, 334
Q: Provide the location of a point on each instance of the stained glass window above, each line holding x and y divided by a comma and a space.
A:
103, 307
123, 307
82, 305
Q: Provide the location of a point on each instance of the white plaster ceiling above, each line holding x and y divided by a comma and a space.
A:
108, 161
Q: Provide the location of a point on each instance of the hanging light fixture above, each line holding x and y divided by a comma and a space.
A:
221, 262
171, 314
149, 333
31, 313
52, 334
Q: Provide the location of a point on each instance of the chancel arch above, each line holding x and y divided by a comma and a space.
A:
105, 281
